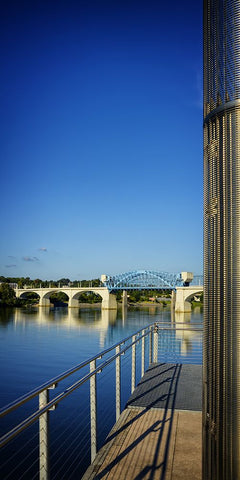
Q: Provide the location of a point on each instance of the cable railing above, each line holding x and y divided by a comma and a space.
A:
66, 419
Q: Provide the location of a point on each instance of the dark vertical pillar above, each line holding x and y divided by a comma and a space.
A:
221, 356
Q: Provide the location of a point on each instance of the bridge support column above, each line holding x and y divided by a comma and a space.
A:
73, 303
43, 301
173, 300
181, 305
124, 298
184, 295
109, 301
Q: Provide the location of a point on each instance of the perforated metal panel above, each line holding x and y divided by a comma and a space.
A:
221, 356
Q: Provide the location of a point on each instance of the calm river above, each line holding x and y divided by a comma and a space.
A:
37, 344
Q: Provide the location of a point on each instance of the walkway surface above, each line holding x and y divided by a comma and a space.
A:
158, 435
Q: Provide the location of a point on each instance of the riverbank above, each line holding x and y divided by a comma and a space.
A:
162, 304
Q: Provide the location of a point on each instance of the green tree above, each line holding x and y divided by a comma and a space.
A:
37, 282
7, 294
59, 298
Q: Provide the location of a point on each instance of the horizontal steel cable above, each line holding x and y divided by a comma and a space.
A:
20, 401
20, 450
21, 463
63, 433
66, 441
32, 418
22, 476
72, 452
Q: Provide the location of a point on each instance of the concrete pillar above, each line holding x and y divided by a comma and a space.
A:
124, 298
181, 305
44, 301
109, 301
173, 300
73, 303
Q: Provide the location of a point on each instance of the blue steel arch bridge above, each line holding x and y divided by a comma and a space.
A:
143, 280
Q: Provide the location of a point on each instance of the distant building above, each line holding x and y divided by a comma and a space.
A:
12, 285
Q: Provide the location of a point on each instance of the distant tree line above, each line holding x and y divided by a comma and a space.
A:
37, 282
140, 296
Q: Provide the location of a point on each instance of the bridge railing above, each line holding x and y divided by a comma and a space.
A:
197, 280
26, 452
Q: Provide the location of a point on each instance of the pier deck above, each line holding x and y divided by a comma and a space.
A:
158, 435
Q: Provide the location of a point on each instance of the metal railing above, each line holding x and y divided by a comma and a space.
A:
153, 342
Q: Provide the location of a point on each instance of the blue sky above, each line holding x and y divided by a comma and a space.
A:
101, 137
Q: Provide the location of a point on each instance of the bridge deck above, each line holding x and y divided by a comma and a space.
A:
158, 435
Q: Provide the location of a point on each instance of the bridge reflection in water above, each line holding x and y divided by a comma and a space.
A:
73, 319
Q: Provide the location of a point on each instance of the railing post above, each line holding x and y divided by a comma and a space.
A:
93, 411
150, 345
133, 364
143, 354
155, 344
118, 384
44, 437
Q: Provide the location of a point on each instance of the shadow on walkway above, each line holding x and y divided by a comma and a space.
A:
157, 390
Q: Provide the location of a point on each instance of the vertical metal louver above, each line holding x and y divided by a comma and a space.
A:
221, 356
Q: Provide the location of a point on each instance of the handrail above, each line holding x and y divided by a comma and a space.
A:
41, 412
32, 418
36, 391
33, 393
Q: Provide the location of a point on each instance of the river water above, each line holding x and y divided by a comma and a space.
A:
37, 344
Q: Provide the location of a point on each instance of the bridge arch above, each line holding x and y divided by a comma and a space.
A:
184, 295
193, 294
143, 279
47, 295
29, 294
108, 299
75, 297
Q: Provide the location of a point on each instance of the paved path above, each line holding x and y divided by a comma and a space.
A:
158, 435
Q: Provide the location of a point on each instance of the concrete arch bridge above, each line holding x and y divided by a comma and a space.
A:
73, 294
182, 293
182, 296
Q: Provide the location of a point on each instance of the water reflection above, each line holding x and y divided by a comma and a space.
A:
5, 316
70, 319
124, 314
107, 325
187, 337
40, 342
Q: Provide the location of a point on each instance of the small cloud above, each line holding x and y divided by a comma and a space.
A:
10, 266
42, 249
30, 259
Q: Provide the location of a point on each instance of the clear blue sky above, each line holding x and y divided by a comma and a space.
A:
101, 137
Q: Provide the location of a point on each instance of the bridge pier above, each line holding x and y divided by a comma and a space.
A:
73, 303
183, 297
124, 298
109, 301
44, 302
182, 305
173, 300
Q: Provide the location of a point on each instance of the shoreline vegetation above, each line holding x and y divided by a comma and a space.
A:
60, 299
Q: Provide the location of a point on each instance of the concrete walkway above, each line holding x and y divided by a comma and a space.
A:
158, 435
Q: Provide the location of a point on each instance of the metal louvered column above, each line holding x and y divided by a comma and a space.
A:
221, 346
